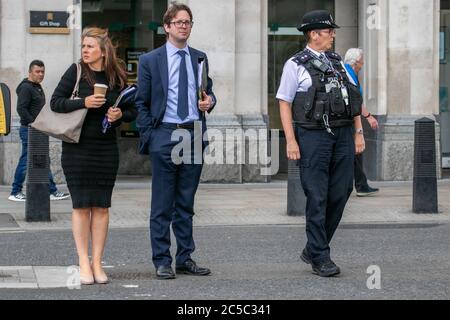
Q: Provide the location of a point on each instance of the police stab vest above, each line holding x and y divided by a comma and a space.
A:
332, 101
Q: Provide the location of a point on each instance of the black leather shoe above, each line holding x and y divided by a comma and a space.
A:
190, 267
165, 273
306, 258
326, 269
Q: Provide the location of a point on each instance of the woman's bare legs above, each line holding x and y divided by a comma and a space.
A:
81, 223
99, 233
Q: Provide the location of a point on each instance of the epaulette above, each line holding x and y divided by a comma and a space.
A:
333, 55
302, 57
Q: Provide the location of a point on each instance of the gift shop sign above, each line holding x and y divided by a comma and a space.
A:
49, 22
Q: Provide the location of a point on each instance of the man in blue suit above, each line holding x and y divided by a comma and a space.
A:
168, 99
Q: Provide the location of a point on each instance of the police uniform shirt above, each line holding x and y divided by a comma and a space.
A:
295, 78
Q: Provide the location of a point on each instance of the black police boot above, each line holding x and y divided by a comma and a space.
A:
305, 256
326, 268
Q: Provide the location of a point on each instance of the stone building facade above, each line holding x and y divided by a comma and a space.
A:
247, 42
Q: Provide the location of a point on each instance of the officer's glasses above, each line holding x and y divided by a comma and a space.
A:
182, 23
329, 31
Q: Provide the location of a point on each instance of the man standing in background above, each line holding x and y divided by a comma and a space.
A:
353, 63
30, 100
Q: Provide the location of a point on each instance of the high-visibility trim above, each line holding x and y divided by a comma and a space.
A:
2, 114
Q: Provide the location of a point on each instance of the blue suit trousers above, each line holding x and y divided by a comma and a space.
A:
173, 192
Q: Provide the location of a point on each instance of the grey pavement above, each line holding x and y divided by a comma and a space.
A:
245, 236
38, 277
249, 262
235, 204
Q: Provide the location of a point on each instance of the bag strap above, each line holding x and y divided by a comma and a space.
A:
77, 84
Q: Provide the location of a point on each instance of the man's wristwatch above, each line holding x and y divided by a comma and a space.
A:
359, 130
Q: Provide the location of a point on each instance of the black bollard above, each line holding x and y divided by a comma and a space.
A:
296, 199
37, 207
425, 179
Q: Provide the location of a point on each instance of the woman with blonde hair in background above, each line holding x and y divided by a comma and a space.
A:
91, 165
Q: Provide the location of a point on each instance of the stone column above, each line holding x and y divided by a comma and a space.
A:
251, 80
234, 35
2, 172
12, 61
402, 80
346, 17
18, 48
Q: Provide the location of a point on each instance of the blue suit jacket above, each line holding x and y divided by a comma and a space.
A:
151, 97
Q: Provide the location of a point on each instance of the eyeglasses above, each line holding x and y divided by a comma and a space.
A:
329, 31
180, 23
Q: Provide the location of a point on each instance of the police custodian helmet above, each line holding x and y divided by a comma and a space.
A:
317, 19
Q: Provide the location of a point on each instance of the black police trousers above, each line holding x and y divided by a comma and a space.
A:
360, 176
326, 173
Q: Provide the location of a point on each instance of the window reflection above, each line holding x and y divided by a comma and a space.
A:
135, 26
284, 41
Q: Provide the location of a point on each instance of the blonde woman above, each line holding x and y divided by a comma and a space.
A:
91, 165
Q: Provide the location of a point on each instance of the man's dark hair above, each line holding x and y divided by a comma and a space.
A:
37, 63
172, 11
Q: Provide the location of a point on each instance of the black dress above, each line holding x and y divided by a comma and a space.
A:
90, 166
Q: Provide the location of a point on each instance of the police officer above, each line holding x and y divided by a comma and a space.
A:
315, 94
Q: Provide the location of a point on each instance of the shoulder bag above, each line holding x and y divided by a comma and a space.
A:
63, 126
